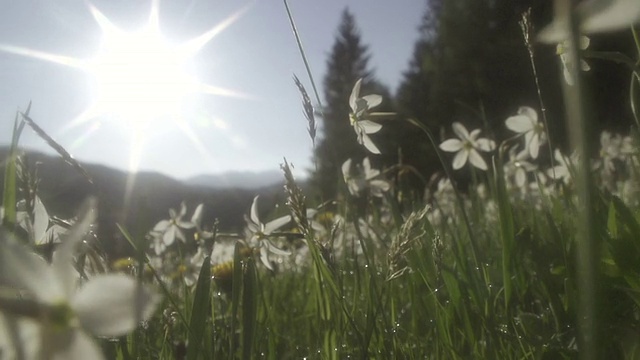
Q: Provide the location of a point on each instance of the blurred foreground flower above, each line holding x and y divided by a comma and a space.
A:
261, 232
467, 146
596, 16
526, 123
106, 305
360, 107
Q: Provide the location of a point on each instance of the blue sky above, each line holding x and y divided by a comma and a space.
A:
253, 59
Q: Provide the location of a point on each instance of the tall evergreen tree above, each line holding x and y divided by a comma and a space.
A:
469, 65
348, 62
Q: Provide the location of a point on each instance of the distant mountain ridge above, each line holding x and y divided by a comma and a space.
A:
237, 179
226, 197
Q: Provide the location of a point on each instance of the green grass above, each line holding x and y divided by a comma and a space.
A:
498, 273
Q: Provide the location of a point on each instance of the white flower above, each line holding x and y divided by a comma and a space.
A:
597, 16
35, 223
365, 177
106, 305
562, 171
518, 167
526, 123
467, 146
191, 270
567, 65
261, 232
610, 150
360, 107
166, 231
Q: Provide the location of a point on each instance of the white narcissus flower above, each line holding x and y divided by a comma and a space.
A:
467, 146
360, 107
169, 230
518, 166
610, 150
526, 123
567, 65
191, 270
260, 233
35, 223
106, 305
365, 177
563, 169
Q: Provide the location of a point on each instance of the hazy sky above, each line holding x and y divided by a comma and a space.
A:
251, 125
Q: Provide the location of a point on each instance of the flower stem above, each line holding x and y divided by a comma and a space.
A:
587, 262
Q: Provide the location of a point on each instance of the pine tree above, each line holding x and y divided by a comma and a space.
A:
348, 62
469, 65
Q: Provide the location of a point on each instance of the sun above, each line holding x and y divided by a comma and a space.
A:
139, 76
139, 79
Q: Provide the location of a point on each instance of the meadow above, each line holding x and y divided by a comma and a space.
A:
534, 258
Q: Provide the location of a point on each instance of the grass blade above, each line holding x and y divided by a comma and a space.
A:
199, 310
9, 191
57, 147
249, 308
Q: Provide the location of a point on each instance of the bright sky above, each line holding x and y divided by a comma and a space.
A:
225, 99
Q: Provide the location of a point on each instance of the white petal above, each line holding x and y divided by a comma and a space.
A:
264, 257
460, 159
619, 14
169, 236
474, 134
584, 65
183, 210
369, 127
112, 305
40, 221
477, 160
528, 112
75, 345
460, 130
519, 123
276, 250
186, 224
346, 169
567, 76
253, 227
276, 224
366, 141
521, 177
372, 100
26, 270
378, 187
254, 210
179, 234
534, 146
196, 218
584, 42
161, 226
311, 213
366, 164
355, 93
62, 260
485, 144
451, 145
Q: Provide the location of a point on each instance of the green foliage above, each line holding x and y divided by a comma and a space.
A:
491, 272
